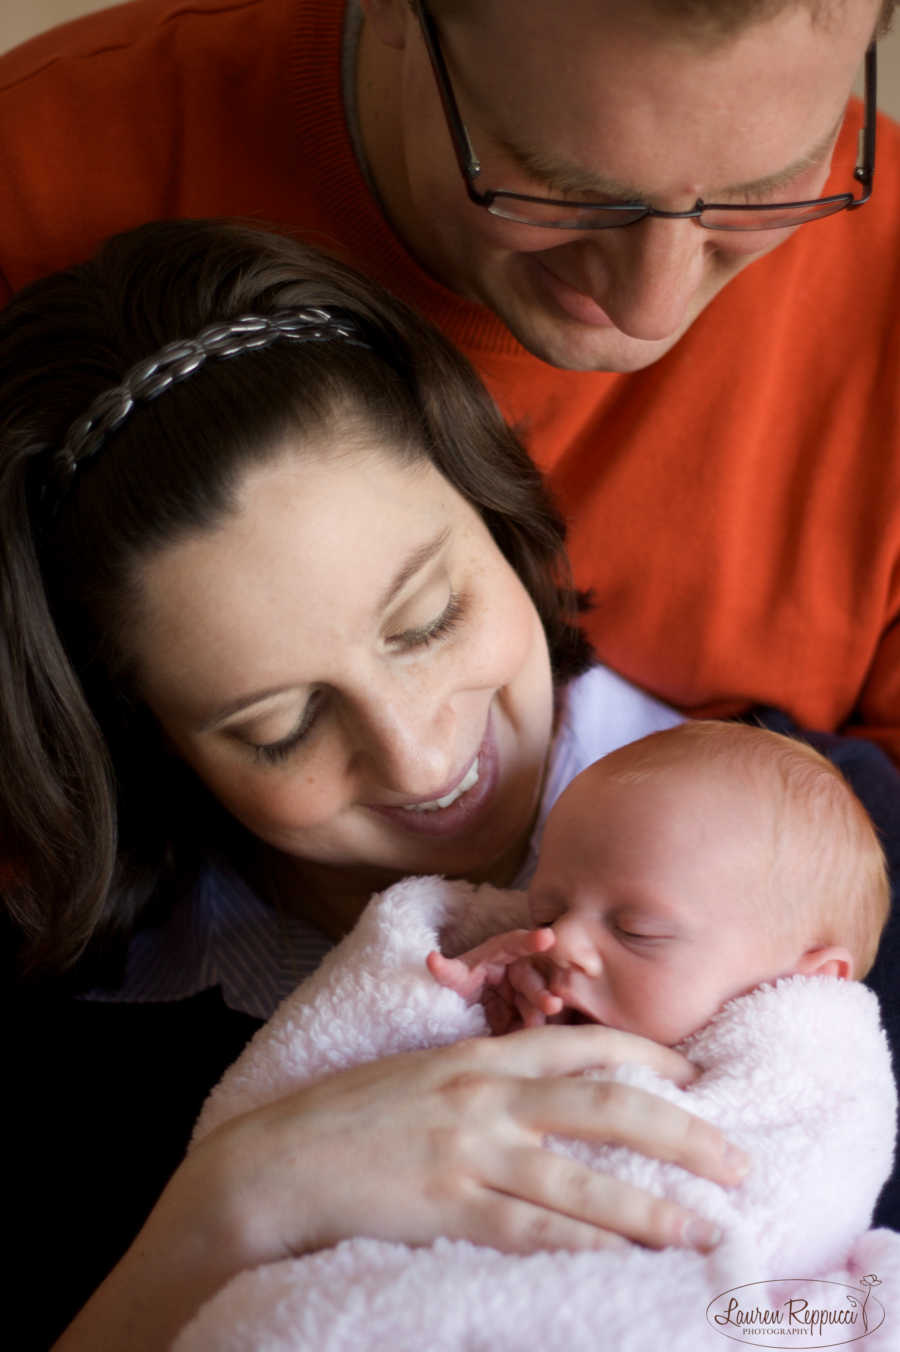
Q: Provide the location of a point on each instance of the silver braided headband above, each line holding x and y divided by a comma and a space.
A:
176, 361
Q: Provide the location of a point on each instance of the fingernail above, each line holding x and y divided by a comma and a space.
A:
700, 1234
737, 1162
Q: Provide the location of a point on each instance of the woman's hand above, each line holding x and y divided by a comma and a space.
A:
449, 1142
445, 1142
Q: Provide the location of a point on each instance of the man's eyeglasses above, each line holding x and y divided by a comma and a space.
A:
569, 214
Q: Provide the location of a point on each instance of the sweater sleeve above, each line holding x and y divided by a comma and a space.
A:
142, 111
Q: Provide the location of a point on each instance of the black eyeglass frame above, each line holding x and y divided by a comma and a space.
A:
470, 165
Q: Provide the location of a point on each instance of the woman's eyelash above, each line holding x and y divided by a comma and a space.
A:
274, 752
444, 625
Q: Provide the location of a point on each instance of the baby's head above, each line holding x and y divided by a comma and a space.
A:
684, 869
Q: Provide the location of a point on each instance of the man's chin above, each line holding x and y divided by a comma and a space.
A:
582, 347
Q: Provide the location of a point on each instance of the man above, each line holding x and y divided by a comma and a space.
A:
718, 418
617, 102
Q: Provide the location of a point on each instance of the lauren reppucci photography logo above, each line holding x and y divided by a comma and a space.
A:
797, 1312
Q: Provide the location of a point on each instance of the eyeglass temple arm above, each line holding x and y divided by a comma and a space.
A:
469, 162
865, 165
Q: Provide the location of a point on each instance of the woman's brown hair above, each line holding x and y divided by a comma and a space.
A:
95, 818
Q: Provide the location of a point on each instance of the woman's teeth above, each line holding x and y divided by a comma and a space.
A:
468, 782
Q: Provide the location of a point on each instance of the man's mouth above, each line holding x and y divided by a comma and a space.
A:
577, 304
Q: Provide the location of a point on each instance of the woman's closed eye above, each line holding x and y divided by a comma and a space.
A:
274, 752
440, 627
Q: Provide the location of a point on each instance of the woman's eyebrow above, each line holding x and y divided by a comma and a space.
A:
226, 711
412, 565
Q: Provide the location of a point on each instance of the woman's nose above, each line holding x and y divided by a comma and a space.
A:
575, 945
407, 743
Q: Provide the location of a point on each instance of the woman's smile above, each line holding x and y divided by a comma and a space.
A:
455, 810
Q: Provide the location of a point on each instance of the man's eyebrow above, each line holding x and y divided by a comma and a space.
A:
563, 177
784, 177
413, 564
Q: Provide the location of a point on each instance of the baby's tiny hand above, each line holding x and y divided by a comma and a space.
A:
530, 993
484, 968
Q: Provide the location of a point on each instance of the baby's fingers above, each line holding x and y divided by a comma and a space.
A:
469, 973
502, 949
530, 1017
455, 975
531, 989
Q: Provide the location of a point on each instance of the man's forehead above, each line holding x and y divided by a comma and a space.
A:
703, 21
582, 94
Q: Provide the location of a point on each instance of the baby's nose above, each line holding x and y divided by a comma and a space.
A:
574, 946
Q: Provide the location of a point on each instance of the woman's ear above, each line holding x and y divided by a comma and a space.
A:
389, 20
830, 961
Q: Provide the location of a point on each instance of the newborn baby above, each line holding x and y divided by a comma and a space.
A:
681, 871
715, 886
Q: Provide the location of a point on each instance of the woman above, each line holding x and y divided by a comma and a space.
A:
285, 619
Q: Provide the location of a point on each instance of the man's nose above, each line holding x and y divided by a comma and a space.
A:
651, 273
407, 743
575, 946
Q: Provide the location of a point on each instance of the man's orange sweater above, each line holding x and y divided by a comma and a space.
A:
735, 508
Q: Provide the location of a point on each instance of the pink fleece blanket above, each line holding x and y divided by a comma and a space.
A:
798, 1074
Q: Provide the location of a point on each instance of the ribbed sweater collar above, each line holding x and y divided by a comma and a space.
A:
313, 73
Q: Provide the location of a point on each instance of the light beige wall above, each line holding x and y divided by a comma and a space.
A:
20, 19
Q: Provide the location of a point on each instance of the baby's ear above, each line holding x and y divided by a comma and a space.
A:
831, 961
